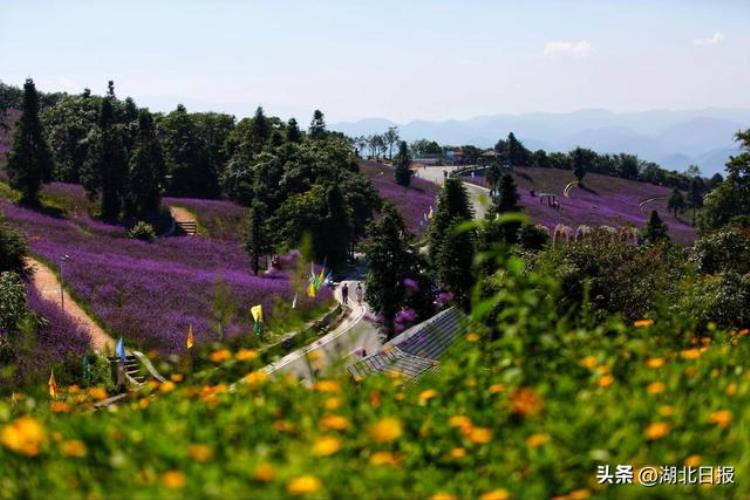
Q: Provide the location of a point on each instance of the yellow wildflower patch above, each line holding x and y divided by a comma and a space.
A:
499, 494
384, 458
220, 356
246, 355
304, 485
655, 388
173, 479
480, 435
643, 323
334, 422
326, 445
722, 418
24, 435
386, 430
657, 430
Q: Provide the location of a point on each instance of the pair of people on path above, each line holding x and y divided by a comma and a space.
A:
358, 292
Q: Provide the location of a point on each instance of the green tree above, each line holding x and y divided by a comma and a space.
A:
695, 197
403, 160
390, 137
455, 262
629, 166
317, 125
257, 240
655, 230
13, 251
105, 172
505, 201
29, 162
260, 130
515, 152
453, 205
293, 133
676, 202
147, 170
12, 305
581, 160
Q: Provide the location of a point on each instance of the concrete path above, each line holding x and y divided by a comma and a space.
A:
48, 286
345, 345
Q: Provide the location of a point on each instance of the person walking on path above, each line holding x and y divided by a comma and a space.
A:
359, 294
345, 294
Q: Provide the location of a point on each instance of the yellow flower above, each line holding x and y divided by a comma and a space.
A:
536, 440
579, 494
499, 494
426, 395
176, 377
264, 472
73, 448
655, 388
326, 445
386, 430
200, 452
605, 381
462, 422
24, 435
220, 356
457, 453
256, 378
497, 388
303, 485
654, 363
472, 337
384, 458
173, 479
657, 430
693, 461
166, 387
98, 393
327, 386
246, 355
526, 401
332, 403
480, 435
59, 407
73, 389
691, 353
443, 496
589, 362
143, 403
334, 422
643, 323
731, 389
722, 418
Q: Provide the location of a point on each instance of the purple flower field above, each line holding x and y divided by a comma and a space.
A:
604, 201
218, 219
150, 292
412, 202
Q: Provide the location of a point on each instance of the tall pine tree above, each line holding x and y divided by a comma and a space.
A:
455, 262
317, 125
655, 230
402, 161
147, 170
453, 204
506, 201
293, 133
29, 161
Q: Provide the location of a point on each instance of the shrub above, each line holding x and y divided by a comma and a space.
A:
12, 301
725, 250
533, 237
13, 250
142, 231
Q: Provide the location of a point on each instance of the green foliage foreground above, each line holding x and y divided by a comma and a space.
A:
527, 409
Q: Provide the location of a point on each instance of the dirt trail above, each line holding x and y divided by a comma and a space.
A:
48, 286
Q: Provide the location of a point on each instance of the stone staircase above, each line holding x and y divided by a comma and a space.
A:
188, 227
132, 369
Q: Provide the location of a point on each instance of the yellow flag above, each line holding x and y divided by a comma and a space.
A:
321, 277
52, 385
311, 291
189, 342
257, 312
430, 215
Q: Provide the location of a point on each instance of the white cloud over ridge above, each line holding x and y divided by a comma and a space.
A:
560, 48
714, 39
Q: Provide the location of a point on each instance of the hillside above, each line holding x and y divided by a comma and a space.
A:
603, 200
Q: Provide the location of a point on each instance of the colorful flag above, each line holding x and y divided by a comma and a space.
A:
329, 278
321, 278
257, 312
52, 385
120, 349
189, 342
431, 214
311, 291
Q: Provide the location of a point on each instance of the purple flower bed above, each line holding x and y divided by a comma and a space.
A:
412, 202
604, 201
218, 219
150, 292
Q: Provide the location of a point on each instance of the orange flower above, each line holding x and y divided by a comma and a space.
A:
462, 422
731, 389
443, 496
246, 355
657, 430
579, 494
693, 461
536, 440
304, 485
254, 379
332, 403
73, 448
24, 435
457, 453
220, 356
59, 407
167, 387
655, 388
691, 353
384, 458
176, 377
605, 381
526, 401
73, 389
426, 395
497, 388
589, 362
326, 445
173, 479
654, 363
499, 494
334, 422
722, 418
472, 337
386, 430
200, 452
264, 473
327, 386
643, 323
480, 435
98, 393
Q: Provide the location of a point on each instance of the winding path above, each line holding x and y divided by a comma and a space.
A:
479, 195
48, 286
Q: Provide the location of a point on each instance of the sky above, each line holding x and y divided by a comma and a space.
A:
401, 60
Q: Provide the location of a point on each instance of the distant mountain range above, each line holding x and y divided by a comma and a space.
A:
674, 139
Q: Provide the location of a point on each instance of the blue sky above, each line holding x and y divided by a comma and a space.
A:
401, 60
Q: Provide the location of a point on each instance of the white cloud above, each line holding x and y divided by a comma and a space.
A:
580, 48
714, 39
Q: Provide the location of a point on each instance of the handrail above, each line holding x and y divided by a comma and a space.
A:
147, 364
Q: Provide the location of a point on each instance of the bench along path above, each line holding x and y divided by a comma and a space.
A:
48, 286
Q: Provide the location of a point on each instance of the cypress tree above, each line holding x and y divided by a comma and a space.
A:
455, 262
453, 204
317, 125
147, 170
579, 164
29, 161
257, 241
655, 230
506, 201
293, 133
403, 159
260, 130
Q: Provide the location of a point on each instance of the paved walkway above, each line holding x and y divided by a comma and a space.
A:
343, 345
479, 195
48, 286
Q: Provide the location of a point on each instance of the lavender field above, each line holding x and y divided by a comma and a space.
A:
149, 292
605, 200
412, 202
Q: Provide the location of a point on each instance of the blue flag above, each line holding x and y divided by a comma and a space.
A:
120, 349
